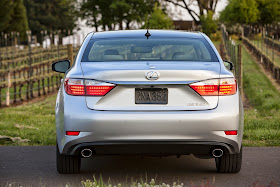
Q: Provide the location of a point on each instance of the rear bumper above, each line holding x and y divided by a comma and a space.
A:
154, 132
161, 148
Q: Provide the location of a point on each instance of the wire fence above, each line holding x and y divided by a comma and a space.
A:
232, 52
266, 39
264, 44
25, 71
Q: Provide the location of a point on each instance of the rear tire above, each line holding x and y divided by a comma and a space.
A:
67, 164
229, 163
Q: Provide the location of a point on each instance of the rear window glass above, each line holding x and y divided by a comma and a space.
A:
157, 49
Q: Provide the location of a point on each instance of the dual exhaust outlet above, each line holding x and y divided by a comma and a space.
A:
86, 153
217, 152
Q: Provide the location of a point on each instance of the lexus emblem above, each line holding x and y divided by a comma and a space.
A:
152, 75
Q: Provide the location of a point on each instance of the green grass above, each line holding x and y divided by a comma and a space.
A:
34, 121
262, 121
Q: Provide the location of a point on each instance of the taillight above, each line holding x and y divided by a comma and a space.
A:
87, 87
227, 86
74, 86
215, 87
98, 88
208, 87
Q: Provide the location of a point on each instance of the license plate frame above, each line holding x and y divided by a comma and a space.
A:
151, 96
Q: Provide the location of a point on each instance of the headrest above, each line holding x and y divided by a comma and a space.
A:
111, 52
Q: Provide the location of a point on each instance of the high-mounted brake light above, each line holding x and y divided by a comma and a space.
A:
82, 87
215, 87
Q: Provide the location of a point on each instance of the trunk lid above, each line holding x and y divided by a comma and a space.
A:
129, 76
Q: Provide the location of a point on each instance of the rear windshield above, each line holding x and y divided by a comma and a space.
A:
157, 49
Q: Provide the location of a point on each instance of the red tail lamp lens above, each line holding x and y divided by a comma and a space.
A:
87, 87
215, 87
98, 88
206, 89
227, 87
72, 133
74, 86
231, 132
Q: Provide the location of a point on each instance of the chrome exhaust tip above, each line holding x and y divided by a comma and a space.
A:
86, 153
217, 152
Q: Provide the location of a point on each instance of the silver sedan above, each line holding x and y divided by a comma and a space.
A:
148, 92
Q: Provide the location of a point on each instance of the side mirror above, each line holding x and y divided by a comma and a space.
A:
229, 65
61, 66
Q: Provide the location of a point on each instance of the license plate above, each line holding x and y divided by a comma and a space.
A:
151, 95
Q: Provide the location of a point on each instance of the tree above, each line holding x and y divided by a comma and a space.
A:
269, 11
6, 12
13, 17
158, 20
97, 13
112, 13
18, 20
240, 11
121, 10
51, 15
204, 7
132, 10
208, 24
89, 10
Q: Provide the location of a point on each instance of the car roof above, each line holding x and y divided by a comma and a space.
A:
141, 33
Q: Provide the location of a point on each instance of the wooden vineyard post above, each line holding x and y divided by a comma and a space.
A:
29, 85
48, 81
43, 85
8, 89
38, 82
240, 69
0, 97
70, 53
15, 92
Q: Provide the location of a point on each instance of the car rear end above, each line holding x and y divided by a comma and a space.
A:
162, 95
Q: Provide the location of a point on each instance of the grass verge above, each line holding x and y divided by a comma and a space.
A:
30, 124
262, 120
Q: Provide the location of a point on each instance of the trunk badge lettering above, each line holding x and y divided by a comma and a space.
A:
152, 75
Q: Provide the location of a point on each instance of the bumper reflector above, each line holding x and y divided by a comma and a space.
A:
231, 132
72, 133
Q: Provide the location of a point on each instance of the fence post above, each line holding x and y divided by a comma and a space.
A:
240, 69
272, 47
29, 64
0, 55
8, 89
70, 53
